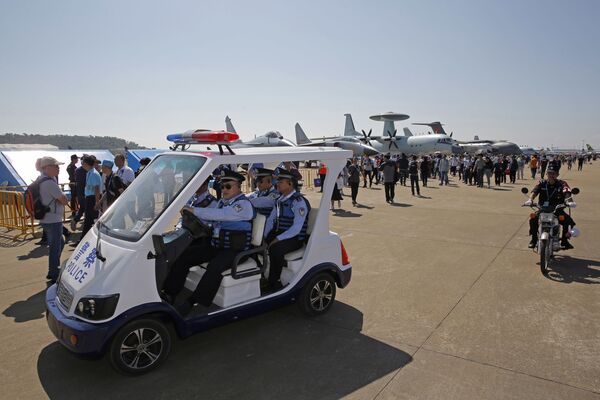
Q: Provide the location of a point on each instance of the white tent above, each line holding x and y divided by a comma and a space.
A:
21, 164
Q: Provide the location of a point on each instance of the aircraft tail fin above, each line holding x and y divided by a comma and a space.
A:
301, 137
407, 132
228, 125
476, 137
437, 126
589, 148
349, 129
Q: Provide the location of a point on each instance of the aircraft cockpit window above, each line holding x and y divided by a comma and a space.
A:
274, 135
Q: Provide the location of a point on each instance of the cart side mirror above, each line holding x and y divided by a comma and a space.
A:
575, 190
159, 246
524, 190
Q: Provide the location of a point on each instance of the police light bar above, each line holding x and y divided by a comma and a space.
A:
203, 136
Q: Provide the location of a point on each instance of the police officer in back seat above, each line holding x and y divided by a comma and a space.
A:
285, 229
263, 199
231, 221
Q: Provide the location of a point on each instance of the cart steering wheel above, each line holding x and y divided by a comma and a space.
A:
194, 225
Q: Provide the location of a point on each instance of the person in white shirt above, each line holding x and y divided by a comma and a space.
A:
443, 167
124, 172
55, 201
453, 165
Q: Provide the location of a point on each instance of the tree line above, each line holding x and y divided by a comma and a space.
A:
70, 141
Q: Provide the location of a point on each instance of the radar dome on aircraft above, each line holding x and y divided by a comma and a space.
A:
389, 116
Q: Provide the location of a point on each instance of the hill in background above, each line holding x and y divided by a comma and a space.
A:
71, 141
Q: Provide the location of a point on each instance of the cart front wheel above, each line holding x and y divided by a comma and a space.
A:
140, 347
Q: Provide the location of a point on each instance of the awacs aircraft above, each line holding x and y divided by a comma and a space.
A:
343, 142
269, 139
477, 146
407, 144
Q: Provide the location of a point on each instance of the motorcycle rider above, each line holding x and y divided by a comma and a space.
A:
552, 192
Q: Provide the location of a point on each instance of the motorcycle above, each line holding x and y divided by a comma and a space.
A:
549, 230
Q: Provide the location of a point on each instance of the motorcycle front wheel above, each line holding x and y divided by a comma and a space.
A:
545, 251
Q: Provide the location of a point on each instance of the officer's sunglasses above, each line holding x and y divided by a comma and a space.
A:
227, 186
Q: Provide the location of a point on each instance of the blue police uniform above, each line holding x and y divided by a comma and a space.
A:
203, 200
231, 221
287, 223
264, 200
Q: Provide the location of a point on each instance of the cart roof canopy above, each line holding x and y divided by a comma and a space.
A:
277, 154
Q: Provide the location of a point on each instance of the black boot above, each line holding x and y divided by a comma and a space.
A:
533, 242
564, 243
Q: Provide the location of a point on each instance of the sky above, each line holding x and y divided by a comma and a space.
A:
525, 71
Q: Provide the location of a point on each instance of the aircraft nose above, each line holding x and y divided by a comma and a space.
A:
370, 151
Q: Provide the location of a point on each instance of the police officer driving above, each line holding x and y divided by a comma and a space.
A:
231, 222
285, 229
552, 192
263, 199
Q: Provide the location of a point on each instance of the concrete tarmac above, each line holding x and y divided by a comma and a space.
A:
446, 302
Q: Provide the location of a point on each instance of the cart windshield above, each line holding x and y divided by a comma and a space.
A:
149, 195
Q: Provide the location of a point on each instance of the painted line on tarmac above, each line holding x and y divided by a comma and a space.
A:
509, 370
455, 305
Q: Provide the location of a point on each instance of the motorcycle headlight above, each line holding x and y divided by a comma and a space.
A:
97, 307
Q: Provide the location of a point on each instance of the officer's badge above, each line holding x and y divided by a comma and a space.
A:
302, 211
222, 173
237, 208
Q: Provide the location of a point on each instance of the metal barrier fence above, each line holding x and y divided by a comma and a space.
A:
13, 215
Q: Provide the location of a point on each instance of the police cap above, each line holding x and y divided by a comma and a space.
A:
260, 172
228, 175
281, 173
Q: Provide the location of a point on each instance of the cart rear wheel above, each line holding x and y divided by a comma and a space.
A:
140, 347
318, 295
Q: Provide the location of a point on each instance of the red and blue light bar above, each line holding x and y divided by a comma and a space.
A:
202, 136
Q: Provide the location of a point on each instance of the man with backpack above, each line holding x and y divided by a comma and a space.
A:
49, 206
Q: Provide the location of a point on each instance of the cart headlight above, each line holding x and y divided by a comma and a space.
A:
97, 307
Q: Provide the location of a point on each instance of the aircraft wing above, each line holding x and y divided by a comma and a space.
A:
315, 143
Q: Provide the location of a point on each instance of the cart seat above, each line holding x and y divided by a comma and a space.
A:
298, 254
294, 258
234, 291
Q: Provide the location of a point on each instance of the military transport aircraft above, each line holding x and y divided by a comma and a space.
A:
476, 145
408, 144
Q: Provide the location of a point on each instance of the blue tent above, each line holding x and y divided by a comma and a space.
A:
134, 156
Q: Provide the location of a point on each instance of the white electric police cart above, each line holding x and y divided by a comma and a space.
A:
106, 300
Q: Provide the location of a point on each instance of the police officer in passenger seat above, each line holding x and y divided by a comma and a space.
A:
202, 198
263, 199
285, 229
552, 192
231, 221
